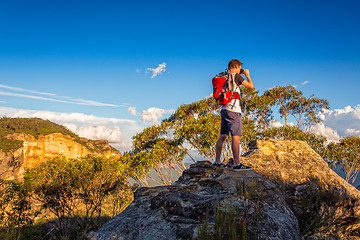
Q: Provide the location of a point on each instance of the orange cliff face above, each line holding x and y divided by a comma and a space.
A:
37, 150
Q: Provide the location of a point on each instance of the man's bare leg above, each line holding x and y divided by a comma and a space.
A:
235, 146
219, 146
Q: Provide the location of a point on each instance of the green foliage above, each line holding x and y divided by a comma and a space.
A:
315, 213
15, 209
79, 192
232, 220
161, 147
250, 133
229, 223
201, 133
346, 153
8, 145
32, 126
283, 96
248, 100
306, 110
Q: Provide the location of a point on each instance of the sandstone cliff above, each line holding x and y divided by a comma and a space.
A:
35, 150
290, 193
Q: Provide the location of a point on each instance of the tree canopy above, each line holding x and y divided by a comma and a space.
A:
196, 126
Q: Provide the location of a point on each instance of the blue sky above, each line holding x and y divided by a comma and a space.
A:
90, 64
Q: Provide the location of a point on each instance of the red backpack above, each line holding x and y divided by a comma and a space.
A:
223, 90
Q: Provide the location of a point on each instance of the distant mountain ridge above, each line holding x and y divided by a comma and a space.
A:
29, 141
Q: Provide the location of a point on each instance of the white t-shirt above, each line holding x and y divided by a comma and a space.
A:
234, 105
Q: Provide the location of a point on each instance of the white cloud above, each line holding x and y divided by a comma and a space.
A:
158, 70
351, 131
118, 132
53, 97
344, 120
330, 134
98, 132
132, 111
101, 132
153, 114
306, 82
276, 124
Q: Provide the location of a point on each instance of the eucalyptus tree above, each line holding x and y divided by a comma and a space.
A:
283, 96
306, 110
155, 149
248, 101
263, 112
346, 152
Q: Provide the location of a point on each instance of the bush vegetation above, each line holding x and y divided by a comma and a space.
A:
231, 220
32, 126
9, 145
75, 195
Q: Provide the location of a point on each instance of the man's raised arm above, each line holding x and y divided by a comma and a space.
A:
248, 83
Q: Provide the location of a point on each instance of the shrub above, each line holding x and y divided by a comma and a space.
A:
15, 209
79, 192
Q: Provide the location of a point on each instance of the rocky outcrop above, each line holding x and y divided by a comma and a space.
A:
36, 150
290, 193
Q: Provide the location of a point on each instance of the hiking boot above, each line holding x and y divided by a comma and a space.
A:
218, 164
240, 167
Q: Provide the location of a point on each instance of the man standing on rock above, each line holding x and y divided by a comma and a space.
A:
231, 123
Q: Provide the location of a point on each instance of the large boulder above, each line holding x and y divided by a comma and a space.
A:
290, 193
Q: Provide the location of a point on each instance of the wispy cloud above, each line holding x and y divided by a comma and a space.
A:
53, 97
306, 82
25, 90
158, 70
32, 97
94, 103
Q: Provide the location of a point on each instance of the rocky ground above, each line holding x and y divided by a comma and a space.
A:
290, 193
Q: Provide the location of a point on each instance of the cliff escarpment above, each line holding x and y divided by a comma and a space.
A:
290, 193
28, 142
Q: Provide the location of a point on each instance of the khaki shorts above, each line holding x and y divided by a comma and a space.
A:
231, 123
